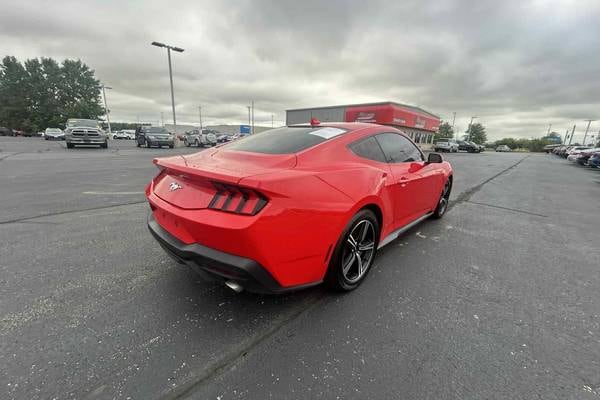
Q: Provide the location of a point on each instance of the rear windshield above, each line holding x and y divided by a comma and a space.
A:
285, 140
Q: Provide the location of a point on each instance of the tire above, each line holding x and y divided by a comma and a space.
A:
70, 145
442, 205
171, 146
187, 144
104, 145
138, 144
345, 272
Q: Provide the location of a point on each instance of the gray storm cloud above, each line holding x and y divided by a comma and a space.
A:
518, 65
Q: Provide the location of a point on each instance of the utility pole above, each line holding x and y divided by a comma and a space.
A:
454, 119
252, 131
200, 115
249, 121
549, 126
566, 137
589, 121
162, 118
179, 50
572, 133
106, 107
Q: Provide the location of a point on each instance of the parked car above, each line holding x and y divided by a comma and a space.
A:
54, 134
503, 149
584, 155
6, 131
119, 135
574, 152
468, 146
594, 160
228, 212
85, 132
224, 138
155, 136
449, 145
196, 138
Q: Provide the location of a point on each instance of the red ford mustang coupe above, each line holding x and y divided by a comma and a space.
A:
295, 206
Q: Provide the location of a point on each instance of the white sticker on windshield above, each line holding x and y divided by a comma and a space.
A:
327, 133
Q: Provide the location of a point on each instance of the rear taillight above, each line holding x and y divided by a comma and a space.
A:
236, 199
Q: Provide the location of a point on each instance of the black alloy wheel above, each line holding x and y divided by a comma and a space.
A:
442, 205
354, 252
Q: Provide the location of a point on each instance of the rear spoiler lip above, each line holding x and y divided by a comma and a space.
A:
164, 164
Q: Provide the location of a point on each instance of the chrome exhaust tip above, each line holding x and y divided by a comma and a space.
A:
236, 287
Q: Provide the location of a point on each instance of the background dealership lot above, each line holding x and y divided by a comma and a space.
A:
496, 300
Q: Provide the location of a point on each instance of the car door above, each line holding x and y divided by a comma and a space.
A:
410, 189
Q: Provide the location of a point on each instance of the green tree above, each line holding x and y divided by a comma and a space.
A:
41, 93
445, 131
13, 103
476, 133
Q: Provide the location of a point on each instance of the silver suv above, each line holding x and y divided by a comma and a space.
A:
85, 132
195, 138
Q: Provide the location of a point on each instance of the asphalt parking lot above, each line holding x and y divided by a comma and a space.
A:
499, 299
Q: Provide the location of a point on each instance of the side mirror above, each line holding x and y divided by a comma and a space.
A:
434, 158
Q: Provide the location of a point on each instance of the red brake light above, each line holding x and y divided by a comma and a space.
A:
314, 122
237, 200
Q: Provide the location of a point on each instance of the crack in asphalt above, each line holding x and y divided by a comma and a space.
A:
10, 155
507, 208
26, 219
228, 361
467, 194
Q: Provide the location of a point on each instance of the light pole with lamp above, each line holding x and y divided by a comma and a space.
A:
106, 110
179, 50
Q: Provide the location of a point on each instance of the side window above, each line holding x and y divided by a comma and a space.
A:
398, 149
368, 148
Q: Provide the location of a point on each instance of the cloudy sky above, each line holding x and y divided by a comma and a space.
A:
517, 65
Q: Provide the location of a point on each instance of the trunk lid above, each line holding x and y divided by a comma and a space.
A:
188, 181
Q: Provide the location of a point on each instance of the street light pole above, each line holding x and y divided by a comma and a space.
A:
200, 115
179, 50
589, 121
572, 133
252, 131
106, 110
249, 122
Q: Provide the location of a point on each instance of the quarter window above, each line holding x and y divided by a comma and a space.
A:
398, 149
368, 148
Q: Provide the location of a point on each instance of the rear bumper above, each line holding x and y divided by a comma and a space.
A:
219, 265
151, 142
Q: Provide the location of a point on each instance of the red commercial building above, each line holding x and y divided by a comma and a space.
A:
421, 125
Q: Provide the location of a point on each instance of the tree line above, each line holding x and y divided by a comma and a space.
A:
478, 135
42, 93
475, 133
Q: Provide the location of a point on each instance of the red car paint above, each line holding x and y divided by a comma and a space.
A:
310, 197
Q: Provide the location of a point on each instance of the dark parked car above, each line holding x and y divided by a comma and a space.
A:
6, 131
468, 146
594, 160
154, 136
